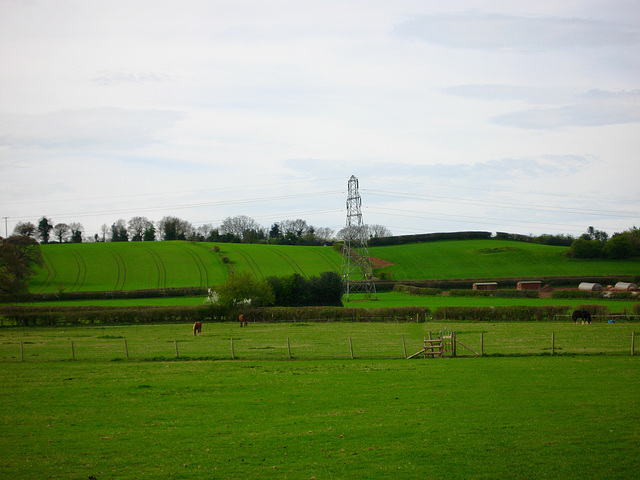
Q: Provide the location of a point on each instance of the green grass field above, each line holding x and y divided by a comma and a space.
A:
384, 300
490, 259
149, 265
569, 416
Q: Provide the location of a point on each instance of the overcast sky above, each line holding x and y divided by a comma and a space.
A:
510, 116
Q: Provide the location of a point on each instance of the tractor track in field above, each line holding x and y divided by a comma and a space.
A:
82, 272
52, 273
292, 263
162, 269
122, 270
251, 262
202, 269
326, 259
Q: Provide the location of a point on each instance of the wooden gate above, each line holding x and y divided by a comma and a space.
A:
444, 345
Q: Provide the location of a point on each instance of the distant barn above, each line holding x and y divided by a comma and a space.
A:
485, 286
590, 287
625, 286
529, 285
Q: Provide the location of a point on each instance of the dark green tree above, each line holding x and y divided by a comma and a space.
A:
44, 229
76, 232
619, 247
119, 231
19, 255
583, 248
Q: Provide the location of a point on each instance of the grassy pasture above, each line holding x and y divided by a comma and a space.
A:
306, 341
564, 417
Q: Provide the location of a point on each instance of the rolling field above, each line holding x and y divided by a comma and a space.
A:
569, 416
490, 259
149, 265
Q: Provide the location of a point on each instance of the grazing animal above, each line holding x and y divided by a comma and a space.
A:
243, 322
197, 328
583, 315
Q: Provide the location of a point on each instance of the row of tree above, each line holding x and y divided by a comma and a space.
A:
597, 244
238, 229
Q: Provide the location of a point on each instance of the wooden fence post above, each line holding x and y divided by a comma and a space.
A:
351, 347
21, 351
553, 343
453, 344
633, 343
175, 342
126, 349
289, 347
482, 344
404, 347
233, 356
73, 351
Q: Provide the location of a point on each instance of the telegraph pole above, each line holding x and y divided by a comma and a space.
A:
6, 234
357, 272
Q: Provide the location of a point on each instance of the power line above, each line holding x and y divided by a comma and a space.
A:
512, 205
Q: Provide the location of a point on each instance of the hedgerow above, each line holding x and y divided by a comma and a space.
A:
515, 313
63, 316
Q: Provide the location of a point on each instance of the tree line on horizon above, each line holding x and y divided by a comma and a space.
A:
238, 229
593, 243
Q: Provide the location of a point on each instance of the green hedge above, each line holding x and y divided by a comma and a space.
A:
105, 295
63, 316
604, 295
495, 293
427, 237
501, 314
337, 314
416, 290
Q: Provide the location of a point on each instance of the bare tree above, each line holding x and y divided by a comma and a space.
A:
174, 228
105, 230
378, 231
76, 232
25, 229
137, 226
242, 227
324, 233
61, 232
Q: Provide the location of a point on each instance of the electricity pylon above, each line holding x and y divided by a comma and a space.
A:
357, 273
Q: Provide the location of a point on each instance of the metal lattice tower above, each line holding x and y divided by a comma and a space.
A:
357, 273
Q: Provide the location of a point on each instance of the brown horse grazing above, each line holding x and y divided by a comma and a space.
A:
243, 322
197, 328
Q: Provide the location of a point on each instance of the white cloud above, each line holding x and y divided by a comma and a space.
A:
596, 108
97, 129
517, 33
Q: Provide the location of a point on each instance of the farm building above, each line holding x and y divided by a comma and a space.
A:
625, 286
591, 287
485, 286
529, 285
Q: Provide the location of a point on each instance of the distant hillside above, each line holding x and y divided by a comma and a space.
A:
151, 265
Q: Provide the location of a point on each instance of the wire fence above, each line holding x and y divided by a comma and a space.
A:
259, 342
